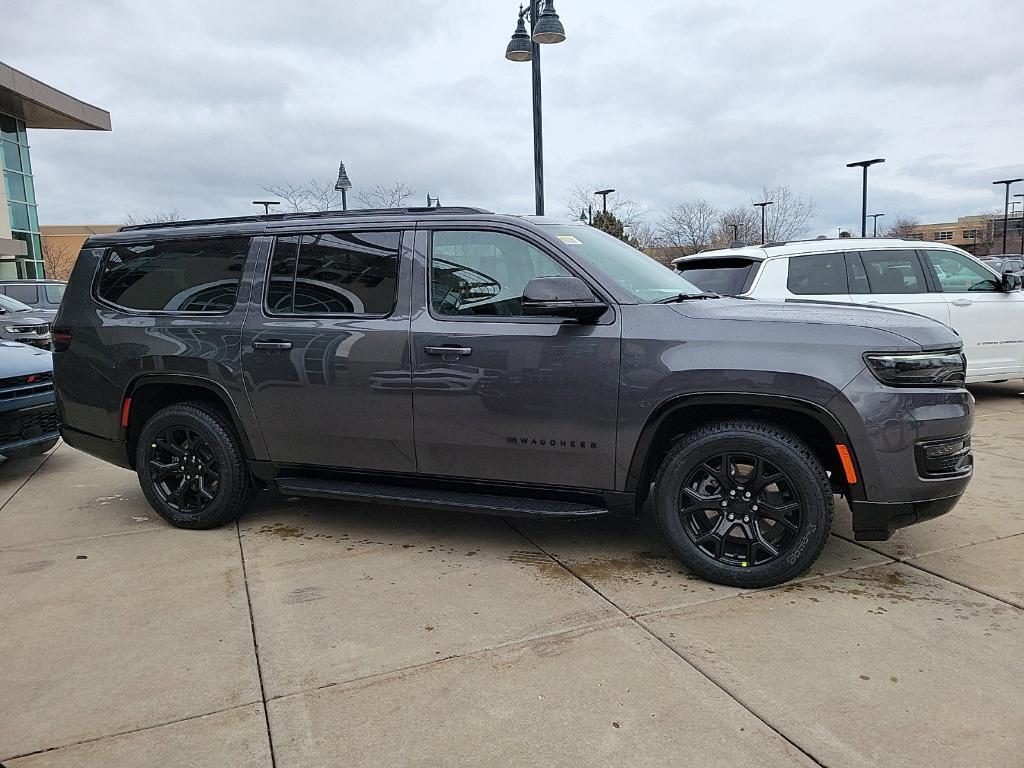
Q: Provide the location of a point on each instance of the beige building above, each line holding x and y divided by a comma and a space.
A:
61, 244
980, 235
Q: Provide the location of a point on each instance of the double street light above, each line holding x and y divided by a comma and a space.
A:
865, 164
875, 216
763, 206
545, 29
1006, 207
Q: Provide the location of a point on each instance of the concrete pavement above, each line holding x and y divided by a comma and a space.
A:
317, 634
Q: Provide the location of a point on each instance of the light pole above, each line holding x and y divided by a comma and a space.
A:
1006, 207
875, 217
735, 233
343, 185
604, 199
865, 164
763, 206
1021, 232
266, 204
545, 29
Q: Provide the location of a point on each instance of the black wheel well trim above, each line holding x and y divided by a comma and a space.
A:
639, 469
187, 380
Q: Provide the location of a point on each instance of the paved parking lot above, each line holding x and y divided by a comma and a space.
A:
316, 634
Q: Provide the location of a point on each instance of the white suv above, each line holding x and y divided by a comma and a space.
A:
932, 279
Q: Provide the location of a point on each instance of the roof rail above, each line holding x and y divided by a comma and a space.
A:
449, 209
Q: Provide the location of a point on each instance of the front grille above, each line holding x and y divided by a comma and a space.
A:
24, 426
26, 386
945, 458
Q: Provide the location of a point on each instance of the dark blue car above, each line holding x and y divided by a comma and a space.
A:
28, 412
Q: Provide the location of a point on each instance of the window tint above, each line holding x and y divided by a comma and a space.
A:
958, 274
27, 294
855, 274
54, 292
725, 276
176, 276
484, 273
334, 273
893, 271
823, 273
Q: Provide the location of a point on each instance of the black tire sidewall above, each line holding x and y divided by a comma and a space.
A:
810, 483
233, 473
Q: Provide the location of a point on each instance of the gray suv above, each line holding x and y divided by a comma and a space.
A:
519, 366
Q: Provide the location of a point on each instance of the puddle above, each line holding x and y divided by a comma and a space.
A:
283, 531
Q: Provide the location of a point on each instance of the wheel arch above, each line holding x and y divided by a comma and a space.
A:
814, 424
148, 393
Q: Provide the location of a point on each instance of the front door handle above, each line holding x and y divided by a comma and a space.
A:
961, 303
456, 351
274, 346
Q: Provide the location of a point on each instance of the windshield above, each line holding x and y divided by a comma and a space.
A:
634, 271
7, 304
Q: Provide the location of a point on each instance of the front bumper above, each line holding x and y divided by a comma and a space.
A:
28, 421
887, 428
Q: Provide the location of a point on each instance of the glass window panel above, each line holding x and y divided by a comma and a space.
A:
26, 165
33, 219
821, 274
347, 273
894, 271
30, 189
14, 183
26, 294
54, 292
856, 275
35, 247
958, 274
19, 216
282, 274
178, 276
484, 273
11, 155
8, 128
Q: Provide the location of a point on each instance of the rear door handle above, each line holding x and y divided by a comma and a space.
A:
274, 346
457, 351
961, 303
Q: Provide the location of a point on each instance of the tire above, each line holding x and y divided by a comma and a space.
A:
721, 535
210, 463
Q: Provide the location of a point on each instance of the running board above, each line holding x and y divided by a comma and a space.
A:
436, 498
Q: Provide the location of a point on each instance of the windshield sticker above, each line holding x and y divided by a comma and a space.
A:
570, 240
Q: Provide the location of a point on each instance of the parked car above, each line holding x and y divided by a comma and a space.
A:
39, 294
1004, 263
19, 322
451, 357
939, 281
28, 411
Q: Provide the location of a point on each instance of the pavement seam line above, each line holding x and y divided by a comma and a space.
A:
968, 587
144, 728
30, 476
255, 646
672, 650
78, 539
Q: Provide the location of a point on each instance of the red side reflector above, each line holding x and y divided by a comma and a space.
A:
126, 409
847, 462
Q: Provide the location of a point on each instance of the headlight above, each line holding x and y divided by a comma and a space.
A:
919, 369
35, 329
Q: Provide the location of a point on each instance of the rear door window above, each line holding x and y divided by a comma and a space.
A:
195, 275
823, 274
26, 294
893, 272
729, 277
334, 273
54, 293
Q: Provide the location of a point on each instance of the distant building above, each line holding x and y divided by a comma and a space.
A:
28, 103
61, 244
980, 235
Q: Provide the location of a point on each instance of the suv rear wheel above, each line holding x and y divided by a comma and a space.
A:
192, 468
744, 503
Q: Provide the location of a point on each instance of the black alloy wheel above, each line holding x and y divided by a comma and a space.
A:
183, 469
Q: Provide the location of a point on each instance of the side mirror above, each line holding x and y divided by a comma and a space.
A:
562, 297
1011, 281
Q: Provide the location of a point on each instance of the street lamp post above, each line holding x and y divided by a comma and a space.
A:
735, 233
763, 206
865, 164
1006, 206
266, 204
1021, 232
604, 199
343, 185
875, 217
545, 28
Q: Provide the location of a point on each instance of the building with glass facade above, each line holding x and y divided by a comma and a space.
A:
27, 103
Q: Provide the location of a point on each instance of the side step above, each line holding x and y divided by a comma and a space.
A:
435, 498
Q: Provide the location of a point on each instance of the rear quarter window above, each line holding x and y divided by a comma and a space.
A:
822, 274
726, 276
194, 275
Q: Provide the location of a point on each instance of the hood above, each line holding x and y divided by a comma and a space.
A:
918, 329
23, 318
20, 359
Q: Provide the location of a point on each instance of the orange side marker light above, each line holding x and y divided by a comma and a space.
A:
847, 462
126, 409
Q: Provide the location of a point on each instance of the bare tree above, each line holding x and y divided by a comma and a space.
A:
642, 234
58, 258
691, 226
581, 200
738, 225
790, 215
312, 196
387, 196
161, 217
902, 227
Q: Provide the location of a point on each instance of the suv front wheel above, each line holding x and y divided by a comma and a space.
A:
192, 468
744, 503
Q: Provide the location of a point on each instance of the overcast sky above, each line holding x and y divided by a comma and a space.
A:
665, 100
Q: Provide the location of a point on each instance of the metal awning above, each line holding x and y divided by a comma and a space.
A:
43, 106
